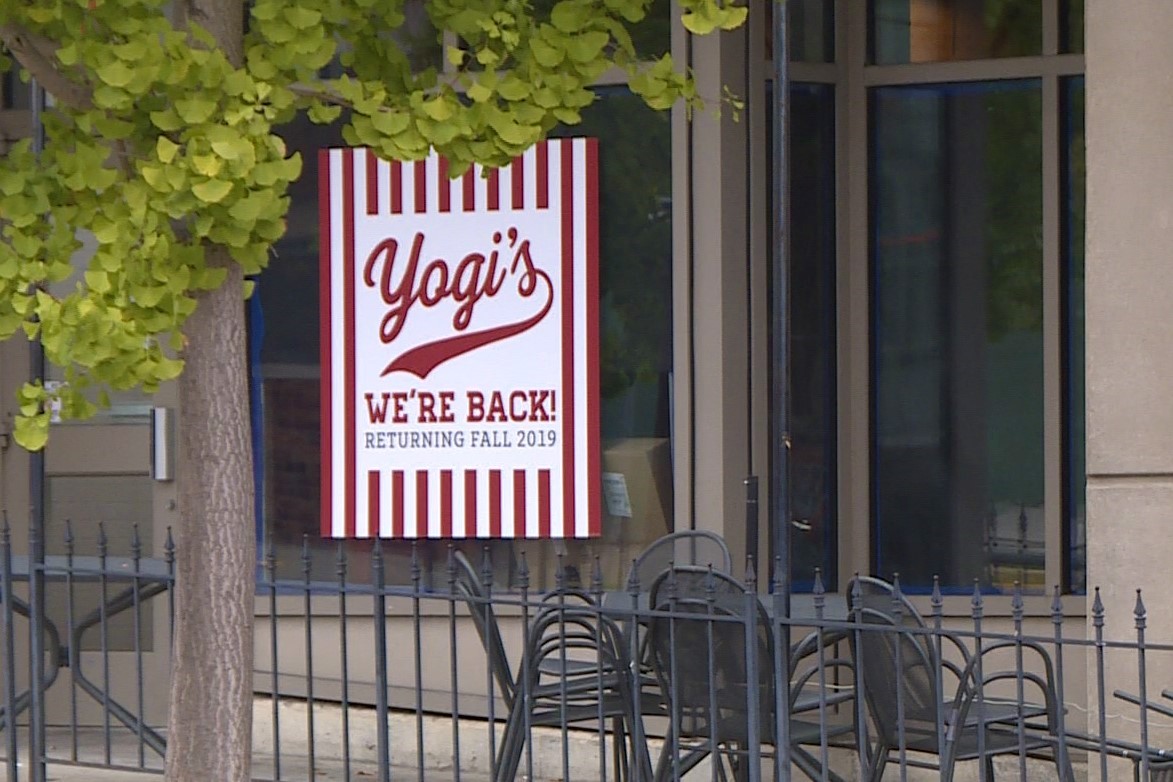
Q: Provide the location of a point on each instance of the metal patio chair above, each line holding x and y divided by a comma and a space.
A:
700, 653
576, 671
699, 548
687, 547
469, 585
1158, 760
924, 704
573, 671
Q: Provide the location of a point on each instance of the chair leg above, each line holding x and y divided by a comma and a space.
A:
512, 745
619, 749
807, 763
664, 762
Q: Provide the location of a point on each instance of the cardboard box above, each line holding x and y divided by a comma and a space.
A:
637, 507
642, 466
637, 500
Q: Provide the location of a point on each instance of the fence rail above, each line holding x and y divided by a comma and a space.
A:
693, 674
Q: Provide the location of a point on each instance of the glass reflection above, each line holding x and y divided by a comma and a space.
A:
957, 333
1073, 26
1075, 176
904, 31
812, 390
810, 30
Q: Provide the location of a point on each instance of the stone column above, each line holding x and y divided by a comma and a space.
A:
718, 298
1130, 334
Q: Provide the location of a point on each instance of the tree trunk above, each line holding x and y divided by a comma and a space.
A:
210, 722
209, 733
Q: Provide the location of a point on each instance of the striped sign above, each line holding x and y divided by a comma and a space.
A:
459, 346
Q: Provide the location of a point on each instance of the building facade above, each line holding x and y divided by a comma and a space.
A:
978, 193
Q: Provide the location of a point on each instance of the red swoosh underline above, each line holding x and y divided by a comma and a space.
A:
420, 361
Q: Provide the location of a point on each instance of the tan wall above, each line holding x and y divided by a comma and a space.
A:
1129, 329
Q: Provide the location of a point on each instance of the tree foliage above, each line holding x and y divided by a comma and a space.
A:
161, 144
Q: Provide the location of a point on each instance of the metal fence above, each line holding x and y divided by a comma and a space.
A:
694, 673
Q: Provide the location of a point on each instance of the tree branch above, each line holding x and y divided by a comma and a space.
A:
319, 92
37, 55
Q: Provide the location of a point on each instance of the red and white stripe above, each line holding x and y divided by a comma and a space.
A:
396, 188
411, 497
458, 504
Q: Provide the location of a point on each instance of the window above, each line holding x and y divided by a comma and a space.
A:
958, 331
812, 315
905, 31
1074, 179
635, 363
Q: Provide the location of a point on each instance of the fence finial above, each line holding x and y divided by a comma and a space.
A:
1097, 610
560, 573
976, 602
523, 573
486, 568
1139, 612
1056, 607
1016, 607
751, 577
340, 562
633, 585
936, 600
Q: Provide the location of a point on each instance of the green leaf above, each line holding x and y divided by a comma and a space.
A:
165, 149
132, 51
167, 120
479, 93
546, 55
438, 109
116, 73
208, 165
390, 123
587, 47
570, 16
97, 280
302, 18
32, 432
212, 191
195, 110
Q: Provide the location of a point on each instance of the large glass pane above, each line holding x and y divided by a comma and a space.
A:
933, 30
1073, 26
812, 387
810, 30
1075, 180
957, 333
635, 286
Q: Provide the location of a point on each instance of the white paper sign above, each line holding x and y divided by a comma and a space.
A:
459, 346
615, 495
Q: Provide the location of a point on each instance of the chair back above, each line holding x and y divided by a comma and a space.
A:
480, 607
700, 654
898, 661
699, 548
